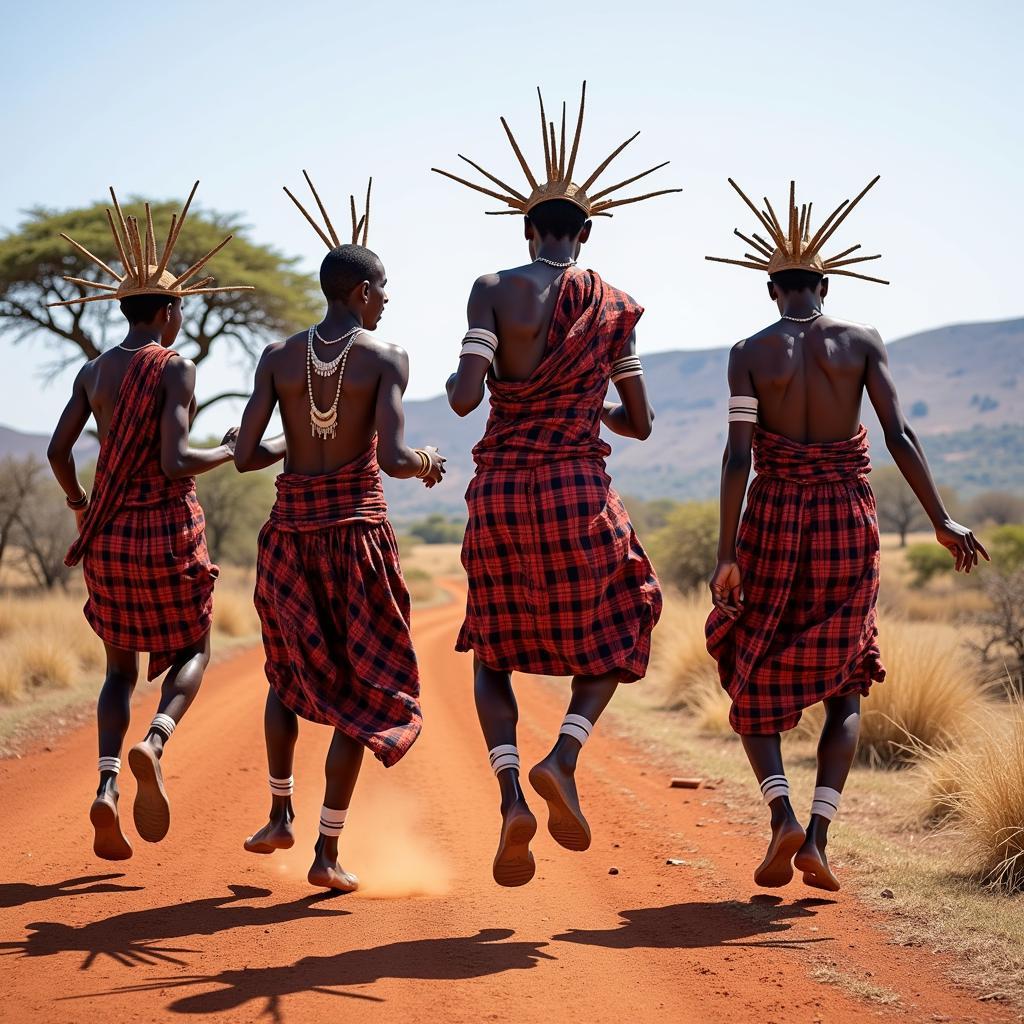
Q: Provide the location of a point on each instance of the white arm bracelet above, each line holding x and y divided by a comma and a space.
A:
480, 342
627, 366
743, 409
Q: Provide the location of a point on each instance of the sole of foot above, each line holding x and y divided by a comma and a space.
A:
566, 823
776, 870
268, 840
332, 878
817, 874
109, 841
152, 809
513, 863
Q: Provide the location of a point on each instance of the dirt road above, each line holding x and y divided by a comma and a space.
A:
195, 926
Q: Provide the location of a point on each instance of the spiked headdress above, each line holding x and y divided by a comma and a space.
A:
145, 268
330, 238
558, 171
795, 248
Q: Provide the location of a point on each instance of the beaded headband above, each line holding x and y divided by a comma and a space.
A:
145, 270
795, 248
330, 239
558, 171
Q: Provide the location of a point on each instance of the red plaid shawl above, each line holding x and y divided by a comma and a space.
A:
143, 542
558, 582
335, 608
808, 554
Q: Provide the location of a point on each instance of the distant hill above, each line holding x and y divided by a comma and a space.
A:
20, 445
961, 386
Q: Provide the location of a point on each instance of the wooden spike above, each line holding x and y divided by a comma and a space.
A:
755, 259
502, 213
762, 247
85, 252
544, 136
862, 277
172, 238
561, 151
612, 203
162, 265
845, 252
735, 263
355, 223
780, 234
366, 216
846, 263
757, 213
519, 154
825, 236
105, 297
323, 211
226, 288
141, 270
554, 154
199, 264
124, 226
478, 188
628, 181
121, 255
794, 238
150, 238
357, 229
497, 181
313, 223
767, 245
812, 245
576, 138
199, 284
807, 223
91, 284
802, 226
600, 169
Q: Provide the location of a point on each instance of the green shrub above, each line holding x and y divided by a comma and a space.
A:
927, 561
684, 550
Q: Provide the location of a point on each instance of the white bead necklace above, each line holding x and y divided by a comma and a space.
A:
803, 319
324, 422
334, 341
152, 341
555, 263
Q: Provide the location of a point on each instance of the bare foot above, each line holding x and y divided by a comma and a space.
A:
275, 835
811, 860
513, 863
329, 874
109, 842
152, 809
776, 870
566, 823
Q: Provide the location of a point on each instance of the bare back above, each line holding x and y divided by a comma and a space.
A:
366, 371
809, 379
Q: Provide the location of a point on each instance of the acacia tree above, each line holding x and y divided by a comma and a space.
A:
34, 260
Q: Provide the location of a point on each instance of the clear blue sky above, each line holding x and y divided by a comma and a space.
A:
243, 95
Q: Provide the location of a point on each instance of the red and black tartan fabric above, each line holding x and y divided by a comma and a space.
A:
143, 543
335, 608
808, 556
558, 582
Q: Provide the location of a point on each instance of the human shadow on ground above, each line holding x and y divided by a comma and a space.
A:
762, 922
458, 958
134, 937
17, 894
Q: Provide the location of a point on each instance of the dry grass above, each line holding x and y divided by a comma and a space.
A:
828, 974
233, 613
681, 668
433, 560
977, 788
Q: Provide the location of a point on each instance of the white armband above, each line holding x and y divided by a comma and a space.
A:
627, 366
480, 342
743, 409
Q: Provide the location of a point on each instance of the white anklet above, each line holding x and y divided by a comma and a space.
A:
773, 787
506, 755
110, 764
578, 727
163, 724
826, 802
282, 787
332, 821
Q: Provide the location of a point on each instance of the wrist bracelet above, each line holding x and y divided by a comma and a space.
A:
79, 503
424, 470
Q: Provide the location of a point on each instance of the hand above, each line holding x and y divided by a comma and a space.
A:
437, 461
229, 439
961, 544
727, 589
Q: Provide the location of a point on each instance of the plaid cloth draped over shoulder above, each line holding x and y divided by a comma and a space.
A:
143, 543
559, 584
335, 609
808, 555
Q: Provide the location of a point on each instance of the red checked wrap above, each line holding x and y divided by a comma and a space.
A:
143, 543
808, 556
558, 581
335, 608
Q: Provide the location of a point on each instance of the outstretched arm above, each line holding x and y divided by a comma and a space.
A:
69, 429
465, 386
633, 415
908, 455
177, 457
396, 458
252, 452
726, 583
